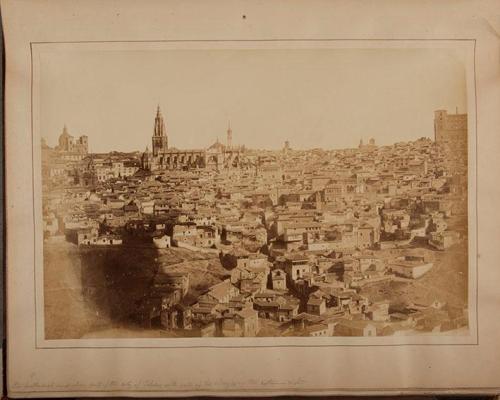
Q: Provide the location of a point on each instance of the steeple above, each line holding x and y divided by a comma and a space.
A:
159, 139
65, 131
159, 124
229, 135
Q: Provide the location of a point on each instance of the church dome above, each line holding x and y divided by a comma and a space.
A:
218, 146
65, 133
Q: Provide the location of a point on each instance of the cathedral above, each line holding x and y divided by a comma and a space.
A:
70, 144
218, 156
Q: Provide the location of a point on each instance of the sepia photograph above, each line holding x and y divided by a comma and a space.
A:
247, 198
252, 190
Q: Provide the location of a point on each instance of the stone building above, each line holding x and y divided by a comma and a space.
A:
218, 156
72, 148
450, 127
367, 146
450, 133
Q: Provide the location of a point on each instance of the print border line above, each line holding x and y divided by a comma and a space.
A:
291, 40
407, 390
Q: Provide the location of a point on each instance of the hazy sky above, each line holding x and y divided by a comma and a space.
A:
314, 98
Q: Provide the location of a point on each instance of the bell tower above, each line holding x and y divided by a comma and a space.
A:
159, 139
229, 140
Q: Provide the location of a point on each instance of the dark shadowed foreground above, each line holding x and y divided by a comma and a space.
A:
97, 292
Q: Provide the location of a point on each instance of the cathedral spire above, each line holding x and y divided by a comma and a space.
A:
229, 140
159, 139
159, 123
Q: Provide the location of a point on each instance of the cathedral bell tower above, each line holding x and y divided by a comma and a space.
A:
159, 139
229, 140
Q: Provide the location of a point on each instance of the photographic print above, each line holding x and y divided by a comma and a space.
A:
252, 190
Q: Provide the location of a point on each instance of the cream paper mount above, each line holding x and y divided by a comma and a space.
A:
271, 199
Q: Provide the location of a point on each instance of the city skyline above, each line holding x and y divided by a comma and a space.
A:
223, 242
416, 81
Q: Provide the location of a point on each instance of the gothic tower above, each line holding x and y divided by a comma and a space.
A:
146, 160
160, 139
229, 136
